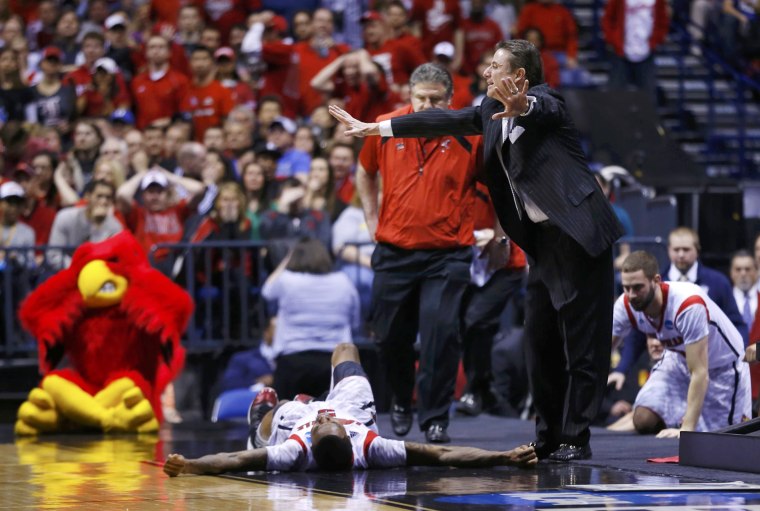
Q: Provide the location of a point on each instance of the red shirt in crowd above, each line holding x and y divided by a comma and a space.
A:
555, 22
164, 226
428, 188
439, 20
397, 59
479, 37
309, 62
158, 98
462, 96
81, 78
207, 105
281, 76
41, 220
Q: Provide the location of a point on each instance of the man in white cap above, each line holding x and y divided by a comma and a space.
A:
12, 232
159, 219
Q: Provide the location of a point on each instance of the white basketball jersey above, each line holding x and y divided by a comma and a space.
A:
688, 315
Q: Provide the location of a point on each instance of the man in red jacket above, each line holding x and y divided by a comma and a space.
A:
633, 29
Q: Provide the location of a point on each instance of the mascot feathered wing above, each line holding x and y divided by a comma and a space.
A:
118, 322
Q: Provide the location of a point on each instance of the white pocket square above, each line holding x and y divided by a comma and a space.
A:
515, 133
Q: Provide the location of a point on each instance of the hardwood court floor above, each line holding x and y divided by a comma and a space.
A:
98, 473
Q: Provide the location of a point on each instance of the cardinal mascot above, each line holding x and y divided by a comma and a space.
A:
113, 324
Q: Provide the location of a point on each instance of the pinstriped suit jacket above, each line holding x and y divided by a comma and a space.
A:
546, 163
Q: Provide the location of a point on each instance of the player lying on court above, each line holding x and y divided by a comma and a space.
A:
338, 433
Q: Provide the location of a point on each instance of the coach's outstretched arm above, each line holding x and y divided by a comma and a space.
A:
467, 457
241, 461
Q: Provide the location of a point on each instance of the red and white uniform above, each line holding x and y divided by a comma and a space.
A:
687, 316
352, 402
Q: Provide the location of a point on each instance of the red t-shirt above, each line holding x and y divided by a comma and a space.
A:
207, 105
41, 220
462, 96
428, 188
164, 226
439, 20
397, 59
156, 99
281, 76
479, 37
556, 24
308, 63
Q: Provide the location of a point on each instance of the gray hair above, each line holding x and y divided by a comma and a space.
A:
524, 54
432, 73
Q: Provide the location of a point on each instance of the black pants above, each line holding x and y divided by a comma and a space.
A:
420, 290
305, 372
568, 328
481, 317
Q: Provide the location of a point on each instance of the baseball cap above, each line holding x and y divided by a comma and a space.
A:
154, 177
224, 51
107, 64
11, 189
283, 122
278, 23
52, 52
371, 16
115, 20
444, 49
123, 115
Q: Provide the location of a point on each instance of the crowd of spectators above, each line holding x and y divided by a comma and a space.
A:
188, 121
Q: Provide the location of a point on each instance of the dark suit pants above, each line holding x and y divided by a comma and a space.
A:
481, 319
568, 329
420, 290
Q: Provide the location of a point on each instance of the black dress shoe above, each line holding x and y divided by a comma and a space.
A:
470, 404
436, 434
543, 450
401, 419
569, 452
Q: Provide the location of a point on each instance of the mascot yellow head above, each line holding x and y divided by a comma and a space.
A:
99, 286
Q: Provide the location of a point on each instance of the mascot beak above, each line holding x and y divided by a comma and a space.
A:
100, 287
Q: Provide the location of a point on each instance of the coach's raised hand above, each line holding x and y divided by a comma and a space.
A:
353, 126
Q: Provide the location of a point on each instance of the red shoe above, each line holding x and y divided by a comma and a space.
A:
303, 398
264, 401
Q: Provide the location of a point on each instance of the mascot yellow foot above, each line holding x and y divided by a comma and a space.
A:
119, 408
37, 414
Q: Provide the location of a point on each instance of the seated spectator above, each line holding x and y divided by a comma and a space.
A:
74, 225
256, 188
317, 308
548, 60
556, 23
207, 102
81, 159
352, 247
216, 170
105, 169
158, 90
12, 232
214, 139
320, 189
342, 160
14, 93
54, 102
106, 92
159, 219
291, 220
481, 34
39, 207
443, 55
359, 82
293, 162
